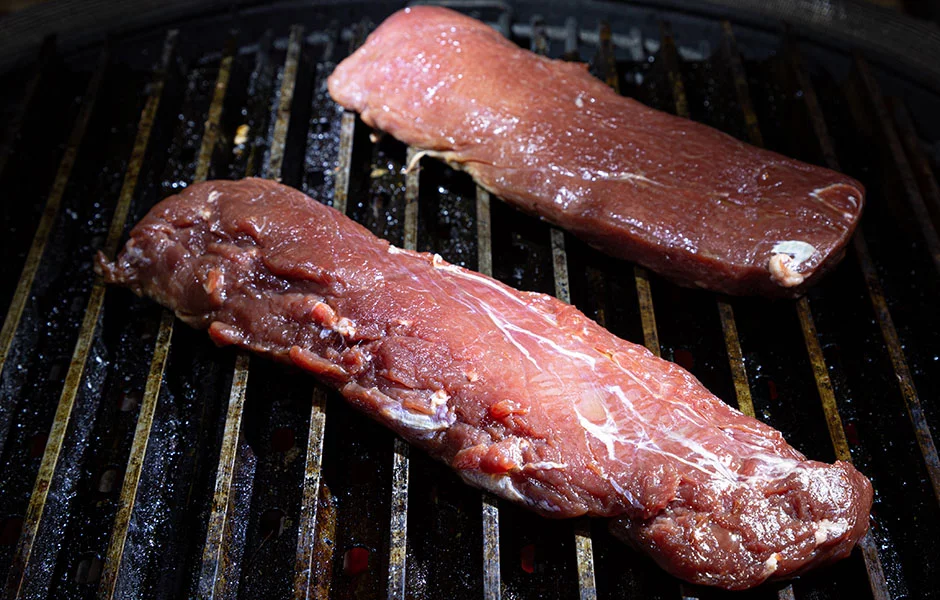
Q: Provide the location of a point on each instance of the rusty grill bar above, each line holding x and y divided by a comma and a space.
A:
213, 574
330, 555
490, 506
306, 584
398, 525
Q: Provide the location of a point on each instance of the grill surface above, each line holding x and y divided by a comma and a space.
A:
140, 461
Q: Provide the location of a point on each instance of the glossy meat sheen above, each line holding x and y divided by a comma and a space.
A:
520, 393
690, 202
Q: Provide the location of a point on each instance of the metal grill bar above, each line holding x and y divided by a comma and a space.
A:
345, 153
211, 134
741, 89
304, 584
584, 547
742, 389
873, 565
538, 42
606, 59
115, 552
823, 383
399, 521
412, 182
491, 573
917, 157
725, 310
128, 498
560, 265
584, 551
484, 233
571, 39
647, 313
86, 335
911, 399
210, 579
45, 55
398, 530
306, 535
285, 99
914, 197
44, 229
670, 57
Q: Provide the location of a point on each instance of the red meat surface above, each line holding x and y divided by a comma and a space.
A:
520, 393
685, 200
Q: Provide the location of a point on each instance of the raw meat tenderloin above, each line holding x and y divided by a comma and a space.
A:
519, 392
683, 199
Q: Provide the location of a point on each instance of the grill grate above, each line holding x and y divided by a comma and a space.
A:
167, 470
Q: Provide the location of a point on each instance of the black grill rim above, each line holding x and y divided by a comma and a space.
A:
884, 36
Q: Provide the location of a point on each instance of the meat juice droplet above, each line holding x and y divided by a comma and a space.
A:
772, 389
10, 530
851, 433
282, 439
356, 560
88, 569
685, 359
107, 480
527, 558
37, 445
273, 523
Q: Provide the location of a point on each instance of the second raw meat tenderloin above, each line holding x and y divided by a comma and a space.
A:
683, 199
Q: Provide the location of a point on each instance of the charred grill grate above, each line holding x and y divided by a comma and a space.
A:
141, 461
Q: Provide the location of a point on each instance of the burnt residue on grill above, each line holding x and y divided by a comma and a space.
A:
447, 214
27, 177
50, 320
915, 317
122, 330
35, 194
876, 409
178, 137
167, 530
322, 144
